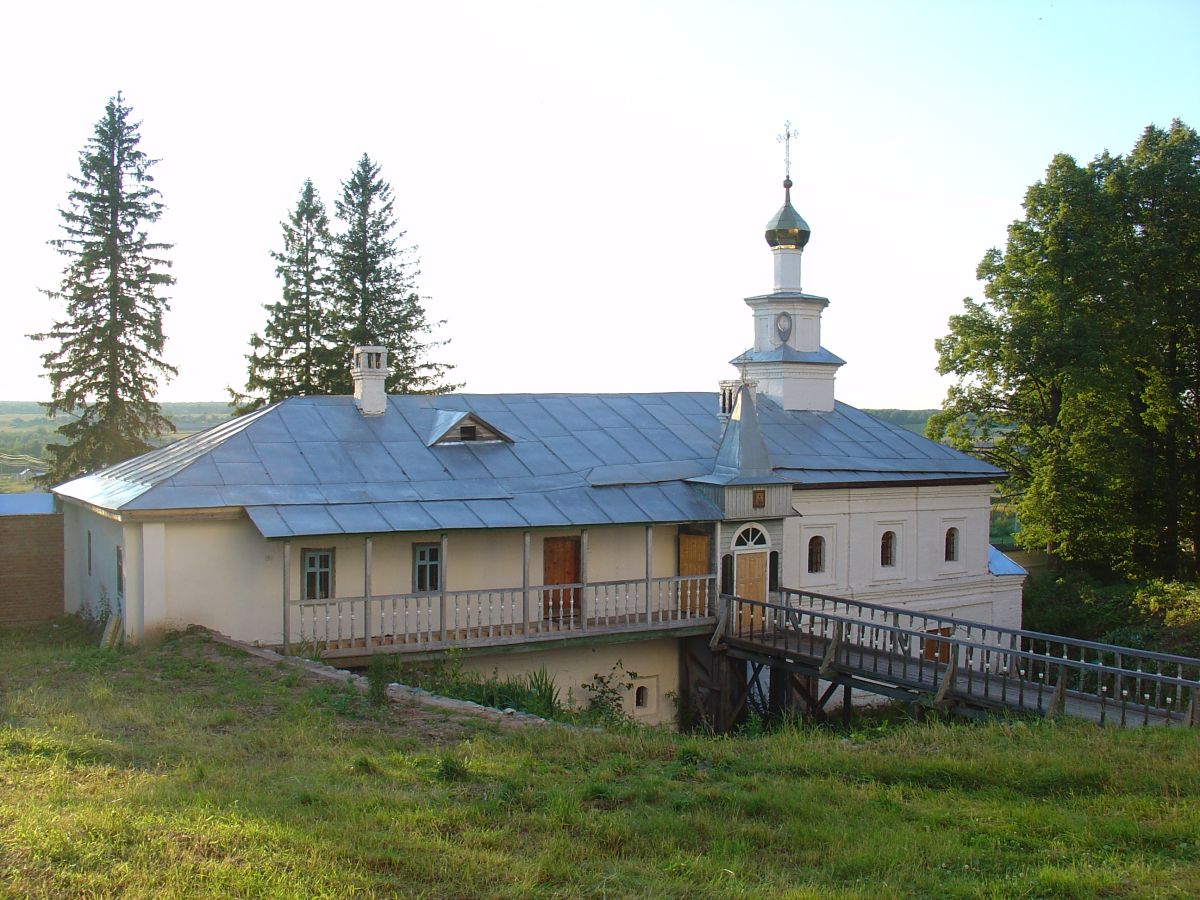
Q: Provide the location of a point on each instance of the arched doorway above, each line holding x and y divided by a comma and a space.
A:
751, 566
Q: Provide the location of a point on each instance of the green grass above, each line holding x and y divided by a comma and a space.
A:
188, 769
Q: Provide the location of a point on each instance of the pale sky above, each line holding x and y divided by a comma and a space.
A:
587, 182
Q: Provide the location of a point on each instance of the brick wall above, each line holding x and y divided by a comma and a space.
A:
31, 568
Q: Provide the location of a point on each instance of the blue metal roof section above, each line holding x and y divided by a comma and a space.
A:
30, 503
573, 460
999, 564
784, 353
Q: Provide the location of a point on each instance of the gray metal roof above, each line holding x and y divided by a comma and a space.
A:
784, 353
742, 457
317, 463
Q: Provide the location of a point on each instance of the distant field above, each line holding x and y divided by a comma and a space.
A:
25, 429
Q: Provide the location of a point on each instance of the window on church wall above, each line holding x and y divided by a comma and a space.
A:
951, 545
887, 549
773, 571
816, 554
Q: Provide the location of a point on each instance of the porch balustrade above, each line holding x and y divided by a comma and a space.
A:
396, 622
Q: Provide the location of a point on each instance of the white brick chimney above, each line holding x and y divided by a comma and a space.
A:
370, 372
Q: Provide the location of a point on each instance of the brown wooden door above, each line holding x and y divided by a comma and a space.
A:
560, 565
693, 560
750, 582
937, 650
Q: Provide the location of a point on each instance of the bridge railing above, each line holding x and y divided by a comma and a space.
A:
1041, 644
973, 660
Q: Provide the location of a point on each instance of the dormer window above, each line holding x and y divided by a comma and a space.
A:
462, 427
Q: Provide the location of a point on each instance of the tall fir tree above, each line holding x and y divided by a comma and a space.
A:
106, 361
295, 354
375, 283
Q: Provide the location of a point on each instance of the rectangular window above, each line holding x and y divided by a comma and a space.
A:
120, 573
468, 433
89, 554
318, 574
427, 567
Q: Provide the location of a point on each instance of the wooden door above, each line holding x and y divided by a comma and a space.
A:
750, 582
937, 650
693, 561
560, 565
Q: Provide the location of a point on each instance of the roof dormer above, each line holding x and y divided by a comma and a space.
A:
464, 427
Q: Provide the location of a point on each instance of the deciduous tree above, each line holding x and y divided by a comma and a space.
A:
106, 357
1079, 372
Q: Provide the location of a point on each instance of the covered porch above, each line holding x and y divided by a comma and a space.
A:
568, 586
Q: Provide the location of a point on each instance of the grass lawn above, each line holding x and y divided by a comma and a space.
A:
189, 769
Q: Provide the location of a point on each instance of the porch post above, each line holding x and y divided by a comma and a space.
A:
287, 596
368, 544
649, 566
525, 584
583, 577
718, 557
442, 583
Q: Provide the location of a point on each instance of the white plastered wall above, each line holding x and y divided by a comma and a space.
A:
853, 520
89, 591
656, 664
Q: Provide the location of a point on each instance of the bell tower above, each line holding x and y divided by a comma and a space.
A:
787, 359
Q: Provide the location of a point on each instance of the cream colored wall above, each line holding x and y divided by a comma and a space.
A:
853, 522
223, 575
656, 664
226, 576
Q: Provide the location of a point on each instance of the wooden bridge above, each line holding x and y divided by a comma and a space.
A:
771, 657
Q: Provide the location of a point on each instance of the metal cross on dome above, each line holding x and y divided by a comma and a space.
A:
786, 140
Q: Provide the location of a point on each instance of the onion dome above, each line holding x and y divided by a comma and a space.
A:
786, 228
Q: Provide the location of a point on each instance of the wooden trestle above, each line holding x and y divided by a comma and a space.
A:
794, 655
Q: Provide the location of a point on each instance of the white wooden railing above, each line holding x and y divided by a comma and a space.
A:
499, 615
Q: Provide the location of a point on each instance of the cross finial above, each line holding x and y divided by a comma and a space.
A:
786, 140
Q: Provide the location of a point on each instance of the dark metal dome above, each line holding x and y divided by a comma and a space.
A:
787, 228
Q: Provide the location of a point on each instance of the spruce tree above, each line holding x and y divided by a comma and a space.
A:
107, 358
375, 284
294, 354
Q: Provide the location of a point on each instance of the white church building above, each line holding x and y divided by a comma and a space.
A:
565, 530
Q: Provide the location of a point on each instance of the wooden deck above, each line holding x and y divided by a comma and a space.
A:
897, 653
